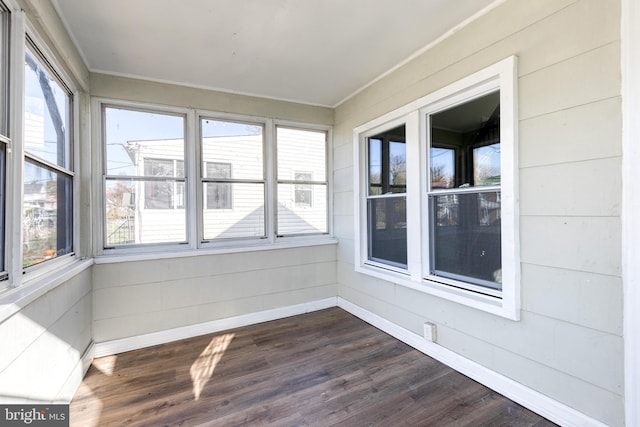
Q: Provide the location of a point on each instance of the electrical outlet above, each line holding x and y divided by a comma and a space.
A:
430, 331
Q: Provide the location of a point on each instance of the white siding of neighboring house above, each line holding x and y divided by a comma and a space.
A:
245, 218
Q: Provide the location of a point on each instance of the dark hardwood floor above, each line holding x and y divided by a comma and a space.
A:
324, 368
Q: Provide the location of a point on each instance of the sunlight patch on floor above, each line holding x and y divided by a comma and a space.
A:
202, 369
106, 364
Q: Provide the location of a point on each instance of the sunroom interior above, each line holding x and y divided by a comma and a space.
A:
460, 177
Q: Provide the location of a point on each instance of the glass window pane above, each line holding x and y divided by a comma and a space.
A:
387, 230
471, 133
46, 115
375, 166
244, 219
443, 161
128, 222
132, 136
47, 223
3, 192
302, 209
465, 233
299, 149
219, 194
486, 165
397, 167
237, 144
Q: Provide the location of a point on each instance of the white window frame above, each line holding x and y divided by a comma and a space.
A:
328, 183
195, 199
500, 76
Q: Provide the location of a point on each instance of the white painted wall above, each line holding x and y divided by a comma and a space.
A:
568, 344
140, 297
43, 344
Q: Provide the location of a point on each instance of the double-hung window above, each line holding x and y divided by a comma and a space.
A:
233, 179
144, 184
443, 219
302, 181
48, 174
5, 139
199, 179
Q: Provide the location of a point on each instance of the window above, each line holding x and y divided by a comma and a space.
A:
386, 198
302, 181
218, 193
145, 179
208, 180
303, 192
437, 189
163, 195
48, 176
230, 146
464, 201
4, 127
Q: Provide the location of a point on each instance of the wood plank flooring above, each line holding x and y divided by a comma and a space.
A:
324, 368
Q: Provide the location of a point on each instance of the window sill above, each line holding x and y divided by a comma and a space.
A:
137, 254
486, 303
12, 300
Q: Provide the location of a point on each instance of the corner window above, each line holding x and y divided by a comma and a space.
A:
437, 197
302, 181
145, 177
48, 176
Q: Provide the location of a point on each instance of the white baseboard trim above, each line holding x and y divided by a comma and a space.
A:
108, 348
525, 396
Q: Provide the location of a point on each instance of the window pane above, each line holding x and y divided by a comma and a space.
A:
237, 144
46, 115
245, 219
471, 133
127, 222
302, 205
443, 165
301, 150
47, 223
302, 209
3, 197
387, 230
387, 162
375, 166
219, 194
465, 234
486, 165
132, 136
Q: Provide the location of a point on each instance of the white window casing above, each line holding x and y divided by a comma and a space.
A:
504, 302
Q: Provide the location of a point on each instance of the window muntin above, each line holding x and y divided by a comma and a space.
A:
386, 201
48, 178
233, 179
302, 203
464, 229
145, 177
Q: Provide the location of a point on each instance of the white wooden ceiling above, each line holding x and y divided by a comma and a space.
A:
311, 51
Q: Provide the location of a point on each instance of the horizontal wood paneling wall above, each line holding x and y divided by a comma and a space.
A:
140, 297
568, 344
43, 344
